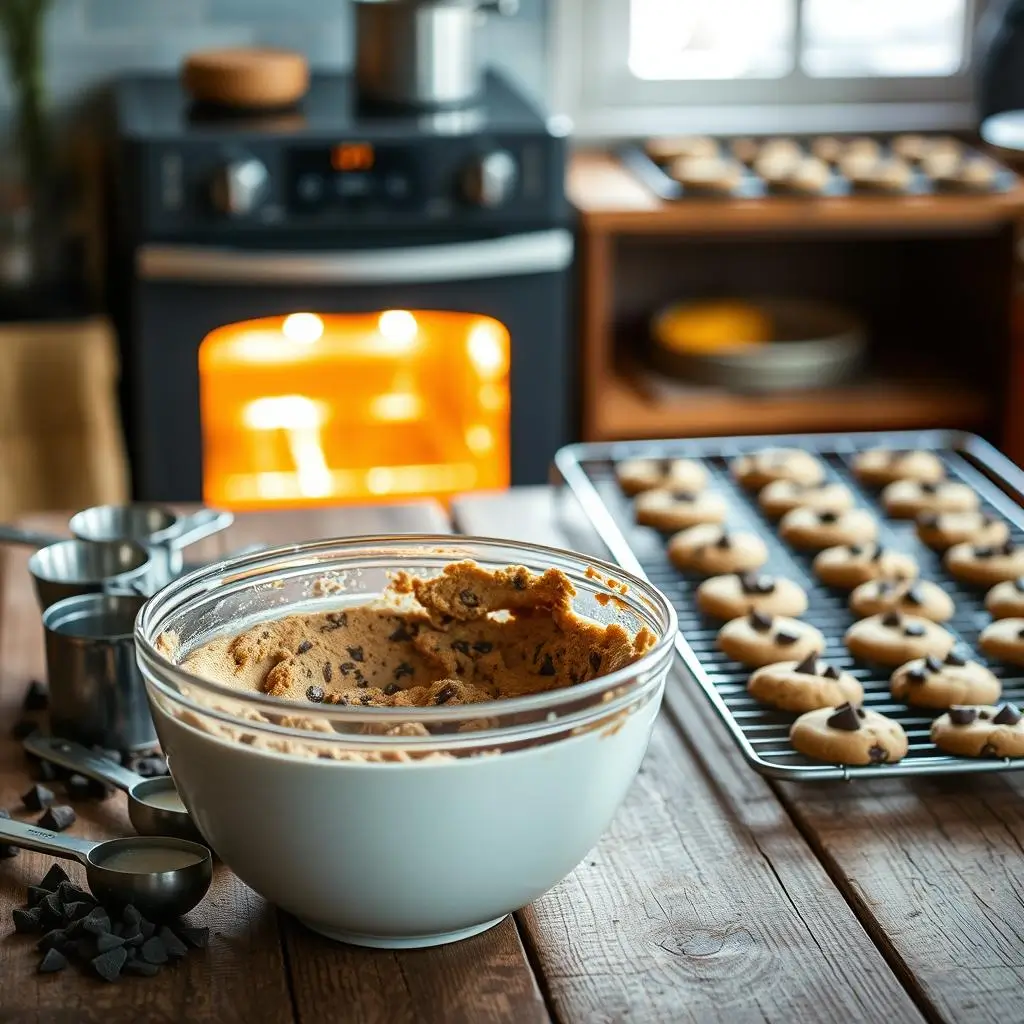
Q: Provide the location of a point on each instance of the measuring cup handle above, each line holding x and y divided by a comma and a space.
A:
200, 524
79, 759
42, 840
13, 535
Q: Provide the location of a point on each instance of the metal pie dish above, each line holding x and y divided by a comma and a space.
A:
361, 850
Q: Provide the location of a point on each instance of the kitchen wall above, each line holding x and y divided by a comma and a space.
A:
90, 41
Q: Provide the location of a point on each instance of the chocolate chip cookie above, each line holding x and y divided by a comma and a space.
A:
892, 639
906, 499
780, 496
914, 597
758, 639
804, 685
847, 566
733, 595
811, 531
984, 565
942, 682
980, 731
879, 466
676, 510
636, 475
941, 530
849, 734
1004, 640
758, 469
1006, 600
711, 549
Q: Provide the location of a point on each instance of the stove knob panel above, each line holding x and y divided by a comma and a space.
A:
240, 187
490, 179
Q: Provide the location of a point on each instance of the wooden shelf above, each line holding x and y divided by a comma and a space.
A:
609, 198
625, 412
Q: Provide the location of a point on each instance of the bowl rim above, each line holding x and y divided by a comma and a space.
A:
254, 568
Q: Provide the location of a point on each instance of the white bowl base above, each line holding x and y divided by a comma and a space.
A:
402, 942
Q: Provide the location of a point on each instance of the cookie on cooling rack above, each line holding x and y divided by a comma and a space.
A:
847, 566
804, 685
782, 496
1004, 640
941, 530
933, 682
892, 639
677, 509
912, 597
636, 475
758, 639
811, 531
905, 499
849, 734
758, 469
985, 565
734, 594
1006, 600
879, 466
711, 549
980, 731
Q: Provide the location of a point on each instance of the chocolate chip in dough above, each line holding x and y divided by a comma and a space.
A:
724, 542
327, 671
914, 629
547, 666
959, 715
444, 695
1018, 584
306, 645
929, 488
892, 620
1008, 714
483, 647
462, 646
877, 556
759, 621
753, 583
913, 595
595, 661
878, 755
928, 519
808, 666
685, 497
831, 672
932, 663
403, 669
784, 638
1008, 548
315, 694
984, 551
916, 675
855, 549
391, 689
400, 634
845, 718
955, 658
469, 599
827, 517
355, 653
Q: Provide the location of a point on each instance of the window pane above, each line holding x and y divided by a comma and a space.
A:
702, 39
892, 38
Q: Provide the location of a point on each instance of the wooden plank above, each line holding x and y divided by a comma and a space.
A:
241, 977
702, 902
485, 979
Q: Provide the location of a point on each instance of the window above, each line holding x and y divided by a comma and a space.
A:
627, 67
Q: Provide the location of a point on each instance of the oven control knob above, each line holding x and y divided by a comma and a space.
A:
239, 187
490, 180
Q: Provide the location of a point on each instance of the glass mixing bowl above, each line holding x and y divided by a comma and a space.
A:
408, 836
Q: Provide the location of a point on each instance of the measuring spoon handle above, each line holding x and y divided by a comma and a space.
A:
80, 759
198, 525
30, 538
42, 840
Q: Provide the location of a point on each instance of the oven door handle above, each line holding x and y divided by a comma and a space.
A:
535, 252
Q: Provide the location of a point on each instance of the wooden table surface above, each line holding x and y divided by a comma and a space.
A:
714, 896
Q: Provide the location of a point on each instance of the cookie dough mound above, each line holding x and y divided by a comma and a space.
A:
879, 466
940, 683
941, 530
911, 597
804, 685
1004, 640
1006, 600
846, 567
759, 469
758, 639
781, 496
849, 734
809, 530
983, 565
980, 731
734, 594
670, 511
892, 639
637, 475
712, 549
906, 499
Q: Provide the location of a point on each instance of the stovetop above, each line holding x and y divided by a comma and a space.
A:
156, 107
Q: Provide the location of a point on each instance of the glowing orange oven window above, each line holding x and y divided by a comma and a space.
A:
315, 409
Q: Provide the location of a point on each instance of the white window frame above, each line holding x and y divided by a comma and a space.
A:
592, 85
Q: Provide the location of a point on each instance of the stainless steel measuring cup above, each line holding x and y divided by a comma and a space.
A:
66, 568
97, 695
154, 807
160, 876
162, 532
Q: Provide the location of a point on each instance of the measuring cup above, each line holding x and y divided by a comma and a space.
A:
154, 807
163, 533
97, 695
160, 876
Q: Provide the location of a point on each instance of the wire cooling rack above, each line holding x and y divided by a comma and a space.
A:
762, 734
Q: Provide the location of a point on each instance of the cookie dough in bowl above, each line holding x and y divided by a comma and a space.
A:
400, 740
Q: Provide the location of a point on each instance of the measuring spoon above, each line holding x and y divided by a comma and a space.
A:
160, 876
154, 806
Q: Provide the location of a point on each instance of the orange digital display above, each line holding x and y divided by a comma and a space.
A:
352, 156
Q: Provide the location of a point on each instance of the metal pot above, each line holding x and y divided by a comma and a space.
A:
421, 53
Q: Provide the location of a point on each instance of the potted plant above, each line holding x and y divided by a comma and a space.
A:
28, 251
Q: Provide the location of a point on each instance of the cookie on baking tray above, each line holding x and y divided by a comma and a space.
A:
758, 469
879, 466
711, 549
1006, 600
804, 685
980, 731
780, 496
933, 682
734, 594
1004, 640
809, 530
892, 638
914, 597
636, 475
941, 530
758, 639
905, 499
985, 565
847, 566
677, 509
849, 734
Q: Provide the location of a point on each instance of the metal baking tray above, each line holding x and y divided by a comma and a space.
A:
752, 186
762, 733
